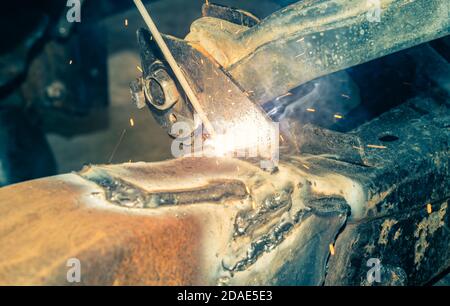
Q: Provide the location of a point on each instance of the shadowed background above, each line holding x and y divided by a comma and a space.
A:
106, 135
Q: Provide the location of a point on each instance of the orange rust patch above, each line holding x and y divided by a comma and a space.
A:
44, 223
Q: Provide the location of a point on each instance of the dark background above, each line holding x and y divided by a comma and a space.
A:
40, 137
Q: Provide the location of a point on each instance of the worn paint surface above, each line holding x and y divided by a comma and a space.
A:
320, 37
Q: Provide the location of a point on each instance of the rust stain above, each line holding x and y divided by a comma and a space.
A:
385, 229
114, 247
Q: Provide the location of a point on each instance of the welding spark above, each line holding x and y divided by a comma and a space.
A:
337, 116
376, 146
331, 249
312, 110
131, 122
139, 68
429, 208
248, 93
247, 189
70, 62
285, 95
117, 146
407, 2
126, 22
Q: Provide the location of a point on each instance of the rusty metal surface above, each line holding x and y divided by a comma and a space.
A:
316, 219
46, 222
139, 223
226, 221
227, 237
267, 221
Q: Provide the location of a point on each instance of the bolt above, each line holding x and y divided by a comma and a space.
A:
161, 90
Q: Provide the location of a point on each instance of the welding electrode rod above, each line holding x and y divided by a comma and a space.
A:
175, 68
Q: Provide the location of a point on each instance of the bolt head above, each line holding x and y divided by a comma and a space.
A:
161, 90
